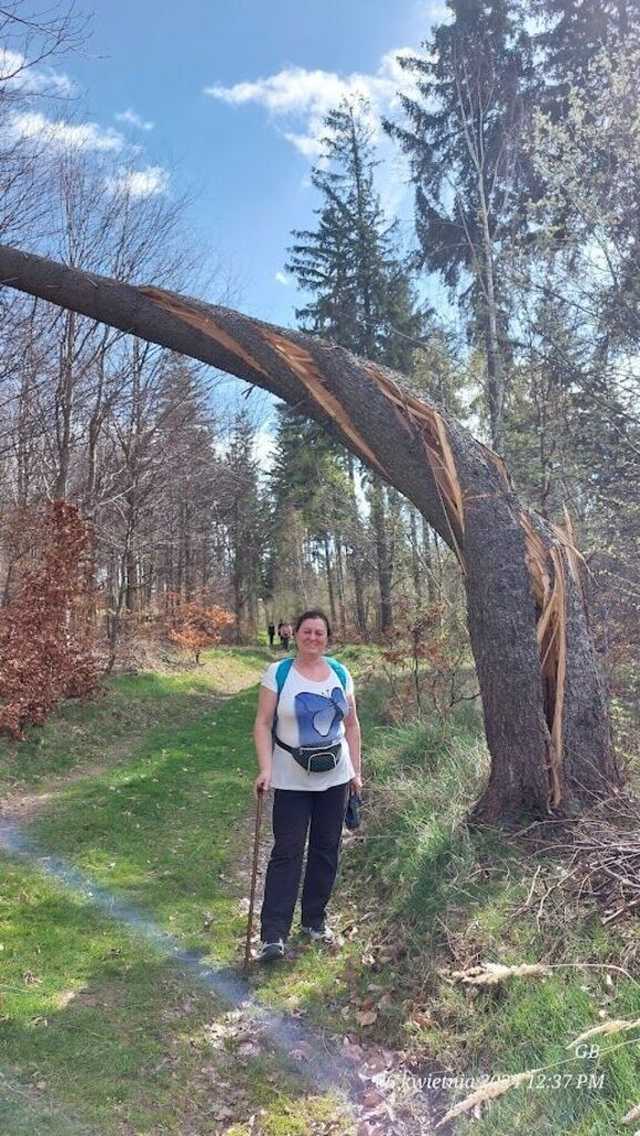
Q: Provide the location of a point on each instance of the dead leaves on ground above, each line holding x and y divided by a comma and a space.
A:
366, 1017
632, 1115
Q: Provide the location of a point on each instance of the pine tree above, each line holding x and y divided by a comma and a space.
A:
360, 294
244, 516
463, 134
574, 34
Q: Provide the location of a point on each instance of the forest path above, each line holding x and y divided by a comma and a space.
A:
123, 920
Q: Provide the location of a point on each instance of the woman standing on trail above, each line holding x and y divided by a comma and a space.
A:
307, 739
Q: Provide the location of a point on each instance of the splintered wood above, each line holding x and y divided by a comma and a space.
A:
419, 418
304, 367
547, 574
202, 321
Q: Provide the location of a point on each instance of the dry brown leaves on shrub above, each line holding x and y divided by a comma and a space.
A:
46, 627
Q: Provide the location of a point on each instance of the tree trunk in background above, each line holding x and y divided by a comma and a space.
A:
416, 572
238, 577
342, 609
380, 525
355, 556
544, 703
428, 543
64, 406
495, 365
301, 575
329, 575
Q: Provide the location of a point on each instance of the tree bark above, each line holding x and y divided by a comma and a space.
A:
329, 574
415, 560
544, 703
380, 522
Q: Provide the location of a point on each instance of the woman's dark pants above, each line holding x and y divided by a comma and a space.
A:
296, 812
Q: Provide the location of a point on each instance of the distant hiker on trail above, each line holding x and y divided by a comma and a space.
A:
271, 631
307, 738
285, 633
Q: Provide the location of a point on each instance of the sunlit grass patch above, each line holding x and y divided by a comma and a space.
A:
420, 896
103, 730
451, 897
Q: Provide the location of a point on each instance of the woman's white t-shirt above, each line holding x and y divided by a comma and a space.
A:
309, 713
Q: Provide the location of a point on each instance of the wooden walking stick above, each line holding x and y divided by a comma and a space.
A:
254, 873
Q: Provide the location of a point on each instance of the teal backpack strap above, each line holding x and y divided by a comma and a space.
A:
339, 670
282, 674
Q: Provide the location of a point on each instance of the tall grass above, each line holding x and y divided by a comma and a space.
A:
452, 897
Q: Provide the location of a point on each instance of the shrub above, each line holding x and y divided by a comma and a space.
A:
195, 626
46, 629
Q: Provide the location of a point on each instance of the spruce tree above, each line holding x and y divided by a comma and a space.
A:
464, 134
244, 517
574, 33
359, 291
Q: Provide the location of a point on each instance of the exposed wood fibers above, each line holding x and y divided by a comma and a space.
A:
419, 418
297, 359
302, 364
547, 574
202, 322
499, 463
414, 414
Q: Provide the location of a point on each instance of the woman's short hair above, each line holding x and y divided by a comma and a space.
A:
313, 613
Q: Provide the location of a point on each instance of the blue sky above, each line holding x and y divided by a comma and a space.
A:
225, 100
272, 68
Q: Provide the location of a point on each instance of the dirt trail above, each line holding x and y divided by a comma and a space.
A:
384, 1094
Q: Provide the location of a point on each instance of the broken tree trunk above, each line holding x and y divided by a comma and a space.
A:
544, 704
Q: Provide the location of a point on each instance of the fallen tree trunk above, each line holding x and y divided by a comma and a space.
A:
545, 709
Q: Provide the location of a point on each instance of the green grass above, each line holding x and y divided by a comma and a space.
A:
120, 1042
452, 898
108, 1036
98, 1031
100, 731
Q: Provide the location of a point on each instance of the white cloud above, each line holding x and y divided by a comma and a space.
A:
132, 118
282, 278
83, 136
434, 12
310, 146
302, 98
140, 183
19, 75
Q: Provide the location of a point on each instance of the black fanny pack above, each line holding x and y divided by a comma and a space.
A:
314, 759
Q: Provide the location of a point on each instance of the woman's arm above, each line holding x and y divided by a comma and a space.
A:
267, 702
354, 740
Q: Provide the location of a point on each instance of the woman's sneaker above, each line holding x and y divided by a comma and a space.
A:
271, 951
321, 934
